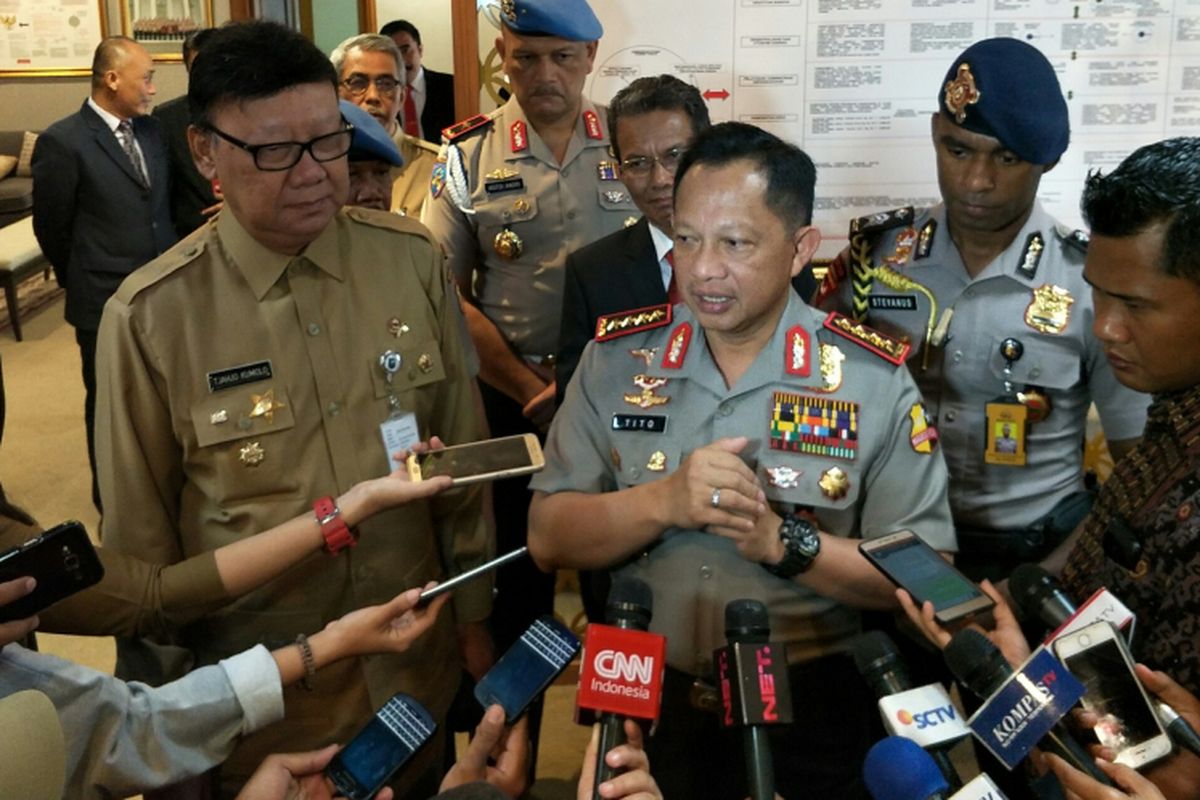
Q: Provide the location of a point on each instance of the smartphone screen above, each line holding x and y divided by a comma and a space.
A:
389, 740
529, 666
926, 575
477, 458
1126, 719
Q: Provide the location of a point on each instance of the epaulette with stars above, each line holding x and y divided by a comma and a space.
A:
882, 345
614, 326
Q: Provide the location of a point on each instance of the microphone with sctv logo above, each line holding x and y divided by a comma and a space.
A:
621, 671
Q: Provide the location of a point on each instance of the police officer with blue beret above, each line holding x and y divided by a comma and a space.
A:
372, 155
989, 289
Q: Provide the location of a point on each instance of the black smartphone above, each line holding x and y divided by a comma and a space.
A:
389, 740
63, 560
529, 666
922, 571
470, 575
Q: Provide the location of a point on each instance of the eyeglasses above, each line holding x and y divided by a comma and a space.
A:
640, 166
357, 84
278, 156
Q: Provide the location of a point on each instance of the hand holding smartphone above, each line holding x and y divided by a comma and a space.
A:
379, 750
529, 666
62, 560
907, 561
474, 462
470, 575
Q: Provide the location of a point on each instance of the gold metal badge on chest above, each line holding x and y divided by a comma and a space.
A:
265, 405
508, 245
647, 398
251, 454
1050, 309
657, 462
834, 483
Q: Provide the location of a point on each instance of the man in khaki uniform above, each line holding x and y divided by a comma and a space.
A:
261, 363
371, 75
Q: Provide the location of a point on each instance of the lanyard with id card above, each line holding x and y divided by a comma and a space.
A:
399, 431
1006, 416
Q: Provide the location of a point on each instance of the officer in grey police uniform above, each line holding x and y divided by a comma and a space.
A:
989, 290
645, 471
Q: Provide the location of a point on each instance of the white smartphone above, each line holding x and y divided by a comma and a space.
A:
922, 571
1098, 657
473, 462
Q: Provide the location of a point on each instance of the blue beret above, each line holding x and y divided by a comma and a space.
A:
371, 142
1006, 89
573, 20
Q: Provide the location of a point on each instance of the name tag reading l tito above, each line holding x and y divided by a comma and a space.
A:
647, 423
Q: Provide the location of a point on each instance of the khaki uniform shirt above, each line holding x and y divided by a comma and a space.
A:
410, 183
237, 386
515, 184
607, 437
1011, 297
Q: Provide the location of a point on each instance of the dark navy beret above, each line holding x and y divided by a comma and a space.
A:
573, 20
371, 142
1006, 89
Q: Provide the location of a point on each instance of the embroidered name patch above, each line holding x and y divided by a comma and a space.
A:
237, 376
817, 426
506, 185
648, 423
892, 302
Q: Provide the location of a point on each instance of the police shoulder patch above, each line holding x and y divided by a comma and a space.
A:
881, 221
614, 326
882, 345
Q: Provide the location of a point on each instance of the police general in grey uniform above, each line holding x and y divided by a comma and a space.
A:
989, 290
520, 189
735, 447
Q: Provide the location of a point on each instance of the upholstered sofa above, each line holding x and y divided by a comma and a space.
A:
16, 191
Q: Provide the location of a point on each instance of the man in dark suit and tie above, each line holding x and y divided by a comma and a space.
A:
428, 104
100, 196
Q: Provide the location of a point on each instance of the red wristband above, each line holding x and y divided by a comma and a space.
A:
334, 529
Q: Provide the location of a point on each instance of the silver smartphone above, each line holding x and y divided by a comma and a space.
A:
470, 575
488, 460
922, 571
1098, 657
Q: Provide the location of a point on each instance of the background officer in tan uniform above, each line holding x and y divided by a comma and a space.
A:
261, 363
371, 75
998, 283
735, 451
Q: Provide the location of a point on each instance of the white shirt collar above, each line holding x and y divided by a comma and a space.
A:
662, 242
110, 119
418, 83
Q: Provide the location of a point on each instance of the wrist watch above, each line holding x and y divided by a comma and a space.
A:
334, 529
801, 545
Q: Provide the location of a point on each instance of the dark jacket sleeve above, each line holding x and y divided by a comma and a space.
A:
55, 178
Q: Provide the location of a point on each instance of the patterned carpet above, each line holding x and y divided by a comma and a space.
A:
32, 295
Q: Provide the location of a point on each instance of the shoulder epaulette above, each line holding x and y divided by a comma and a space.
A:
421, 144
1072, 237
179, 256
881, 221
880, 344
613, 326
386, 219
460, 129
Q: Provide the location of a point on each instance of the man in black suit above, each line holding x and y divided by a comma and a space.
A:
100, 196
431, 93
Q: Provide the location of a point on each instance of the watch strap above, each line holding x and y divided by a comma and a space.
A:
334, 530
801, 545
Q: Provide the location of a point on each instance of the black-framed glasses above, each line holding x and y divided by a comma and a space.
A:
278, 156
640, 166
357, 85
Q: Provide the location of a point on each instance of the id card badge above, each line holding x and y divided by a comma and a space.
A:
400, 433
1006, 419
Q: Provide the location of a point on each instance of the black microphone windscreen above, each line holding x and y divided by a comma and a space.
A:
878, 661
629, 605
1039, 595
976, 662
746, 621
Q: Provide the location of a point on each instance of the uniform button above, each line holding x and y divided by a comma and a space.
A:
507, 215
725, 409
634, 472
951, 416
570, 215
335, 408
1033, 373
958, 354
314, 329
706, 572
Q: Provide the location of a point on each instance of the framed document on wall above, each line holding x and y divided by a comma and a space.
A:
162, 25
48, 38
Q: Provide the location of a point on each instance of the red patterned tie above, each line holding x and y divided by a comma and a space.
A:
673, 294
410, 113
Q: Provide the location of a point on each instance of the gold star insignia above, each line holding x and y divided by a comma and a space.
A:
265, 405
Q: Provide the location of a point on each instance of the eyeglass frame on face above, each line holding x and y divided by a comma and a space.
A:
641, 166
301, 147
366, 83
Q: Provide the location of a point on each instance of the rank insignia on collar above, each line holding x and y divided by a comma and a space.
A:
834, 483
925, 239
607, 170
518, 138
1049, 310
796, 355
591, 124
657, 462
818, 426
904, 246
923, 436
1032, 256
647, 398
677, 346
830, 363
884, 346
646, 354
783, 477
251, 454
265, 405
612, 326
960, 93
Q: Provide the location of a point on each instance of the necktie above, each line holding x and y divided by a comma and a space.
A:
129, 145
411, 125
673, 294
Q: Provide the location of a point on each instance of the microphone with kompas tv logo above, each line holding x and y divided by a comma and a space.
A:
752, 673
620, 675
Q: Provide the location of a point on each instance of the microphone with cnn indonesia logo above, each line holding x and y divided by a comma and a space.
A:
621, 672
753, 677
